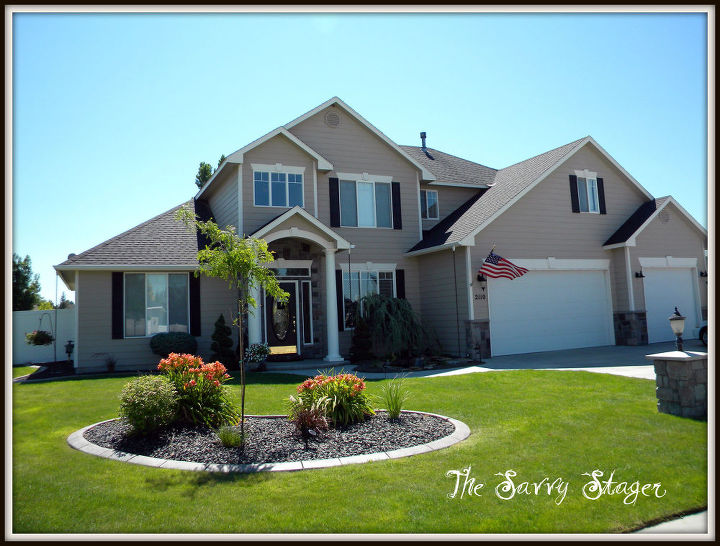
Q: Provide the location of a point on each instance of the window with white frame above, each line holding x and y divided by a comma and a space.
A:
358, 284
588, 192
429, 205
365, 203
156, 303
281, 187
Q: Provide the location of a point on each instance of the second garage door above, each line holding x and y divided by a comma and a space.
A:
549, 310
664, 290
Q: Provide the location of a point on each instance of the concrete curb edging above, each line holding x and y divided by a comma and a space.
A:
77, 441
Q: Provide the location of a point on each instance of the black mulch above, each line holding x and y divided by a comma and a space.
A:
48, 370
274, 439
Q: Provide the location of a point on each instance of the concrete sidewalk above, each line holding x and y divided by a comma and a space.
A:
694, 523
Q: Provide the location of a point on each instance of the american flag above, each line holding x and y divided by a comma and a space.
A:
496, 266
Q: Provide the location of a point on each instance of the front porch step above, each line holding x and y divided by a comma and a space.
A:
309, 364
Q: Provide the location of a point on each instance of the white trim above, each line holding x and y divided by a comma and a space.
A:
295, 264
545, 174
632, 240
469, 276
240, 226
460, 185
364, 177
585, 174
309, 304
668, 262
76, 357
552, 263
125, 267
339, 241
629, 279
368, 266
278, 168
438, 248
296, 233
427, 175
238, 155
315, 198
331, 316
420, 225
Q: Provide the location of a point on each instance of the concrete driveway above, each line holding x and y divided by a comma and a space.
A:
612, 359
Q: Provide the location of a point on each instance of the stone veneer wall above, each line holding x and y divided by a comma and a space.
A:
682, 386
477, 338
630, 328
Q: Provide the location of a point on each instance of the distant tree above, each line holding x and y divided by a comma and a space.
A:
203, 175
26, 284
64, 302
45, 305
222, 158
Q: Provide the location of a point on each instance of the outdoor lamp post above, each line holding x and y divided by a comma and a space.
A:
677, 323
69, 346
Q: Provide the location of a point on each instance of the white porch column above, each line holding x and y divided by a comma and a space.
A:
255, 318
331, 316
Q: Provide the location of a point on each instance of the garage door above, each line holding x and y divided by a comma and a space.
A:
549, 310
666, 289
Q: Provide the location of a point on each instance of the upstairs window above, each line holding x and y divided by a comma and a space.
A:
588, 194
429, 209
365, 204
278, 188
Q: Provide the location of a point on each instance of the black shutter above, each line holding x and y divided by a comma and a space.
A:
339, 291
194, 305
574, 194
400, 283
117, 305
601, 195
396, 212
334, 202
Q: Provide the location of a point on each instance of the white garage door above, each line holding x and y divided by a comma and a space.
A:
666, 289
549, 310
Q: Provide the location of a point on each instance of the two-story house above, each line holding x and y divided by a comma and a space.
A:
348, 212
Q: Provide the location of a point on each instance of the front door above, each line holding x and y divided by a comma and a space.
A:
281, 322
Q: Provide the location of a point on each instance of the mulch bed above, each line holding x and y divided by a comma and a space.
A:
274, 439
48, 370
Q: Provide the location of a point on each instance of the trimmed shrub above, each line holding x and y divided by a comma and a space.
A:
346, 401
148, 403
173, 342
222, 344
202, 397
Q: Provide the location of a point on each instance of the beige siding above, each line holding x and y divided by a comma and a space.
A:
276, 150
542, 224
441, 310
673, 235
618, 278
95, 341
222, 198
449, 199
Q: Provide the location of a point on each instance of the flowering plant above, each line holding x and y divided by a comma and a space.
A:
203, 399
38, 337
257, 352
346, 400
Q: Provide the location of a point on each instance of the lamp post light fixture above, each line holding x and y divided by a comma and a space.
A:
69, 346
677, 323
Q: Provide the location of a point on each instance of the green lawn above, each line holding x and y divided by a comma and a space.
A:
538, 423
18, 371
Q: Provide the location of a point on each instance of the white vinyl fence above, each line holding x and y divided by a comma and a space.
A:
27, 321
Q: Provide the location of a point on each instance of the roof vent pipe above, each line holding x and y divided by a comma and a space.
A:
423, 135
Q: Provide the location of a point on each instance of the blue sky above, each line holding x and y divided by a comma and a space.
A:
112, 113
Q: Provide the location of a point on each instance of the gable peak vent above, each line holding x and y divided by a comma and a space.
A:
332, 119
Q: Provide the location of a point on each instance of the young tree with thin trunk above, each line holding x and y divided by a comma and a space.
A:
240, 262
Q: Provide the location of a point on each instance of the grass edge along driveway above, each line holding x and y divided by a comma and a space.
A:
538, 424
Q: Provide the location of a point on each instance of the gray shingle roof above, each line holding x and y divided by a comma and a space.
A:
506, 185
636, 220
450, 169
160, 241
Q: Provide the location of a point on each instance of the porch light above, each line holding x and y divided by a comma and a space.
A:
677, 323
481, 278
69, 346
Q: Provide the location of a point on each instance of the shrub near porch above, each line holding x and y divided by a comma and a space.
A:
538, 423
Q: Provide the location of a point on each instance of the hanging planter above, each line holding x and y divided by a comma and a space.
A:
38, 337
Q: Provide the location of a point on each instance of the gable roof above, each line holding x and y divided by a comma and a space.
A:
341, 242
238, 155
159, 243
627, 233
426, 174
441, 233
451, 170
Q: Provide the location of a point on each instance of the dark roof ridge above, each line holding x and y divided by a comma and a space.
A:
545, 152
70, 261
